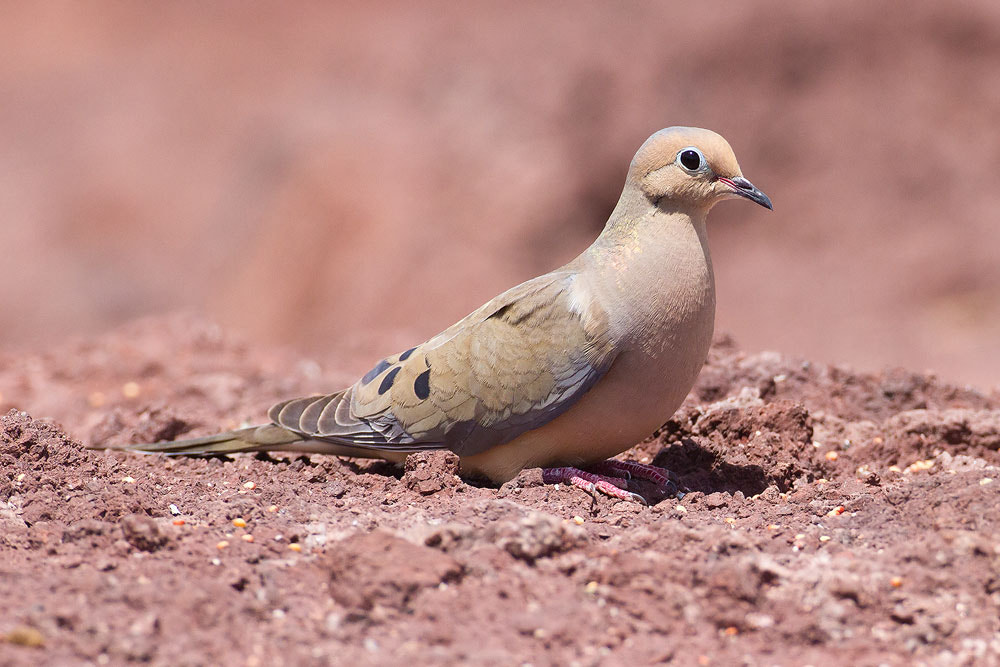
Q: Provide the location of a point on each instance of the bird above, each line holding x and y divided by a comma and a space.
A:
562, 372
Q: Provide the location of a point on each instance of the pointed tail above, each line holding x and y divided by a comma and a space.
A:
252, 439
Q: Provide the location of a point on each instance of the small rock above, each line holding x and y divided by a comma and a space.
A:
377, 569
430, 472
142, 532
716, 500
535, 536
449, 536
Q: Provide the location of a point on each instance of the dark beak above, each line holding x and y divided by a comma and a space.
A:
745, 188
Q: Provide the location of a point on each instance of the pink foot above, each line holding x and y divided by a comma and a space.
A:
659, 476
591, 483
612, 479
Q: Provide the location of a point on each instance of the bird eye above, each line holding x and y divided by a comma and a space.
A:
690, 159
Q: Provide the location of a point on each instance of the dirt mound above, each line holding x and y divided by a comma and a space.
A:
831, 517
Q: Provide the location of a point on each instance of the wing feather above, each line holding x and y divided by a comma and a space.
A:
511, 366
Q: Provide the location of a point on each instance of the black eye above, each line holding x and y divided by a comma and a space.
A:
691, 160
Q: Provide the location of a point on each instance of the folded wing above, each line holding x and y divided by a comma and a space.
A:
513, 365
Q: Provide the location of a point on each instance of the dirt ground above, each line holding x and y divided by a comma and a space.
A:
832, 518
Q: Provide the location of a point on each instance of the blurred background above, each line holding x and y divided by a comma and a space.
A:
348, 178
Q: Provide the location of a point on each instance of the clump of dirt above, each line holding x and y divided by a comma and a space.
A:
378, 569
830, 517
430, 472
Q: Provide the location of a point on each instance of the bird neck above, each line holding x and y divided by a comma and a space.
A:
661, 231
653, 268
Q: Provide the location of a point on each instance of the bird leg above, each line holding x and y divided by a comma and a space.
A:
614, 486
663, 478
611, 478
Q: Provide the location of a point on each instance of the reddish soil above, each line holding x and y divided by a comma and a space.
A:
833, 517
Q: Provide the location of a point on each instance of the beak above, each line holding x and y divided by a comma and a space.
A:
745, 188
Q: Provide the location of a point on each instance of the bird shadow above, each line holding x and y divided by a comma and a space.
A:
694, 467
325, 464
701, 469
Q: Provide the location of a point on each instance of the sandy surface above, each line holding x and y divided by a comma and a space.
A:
833, 517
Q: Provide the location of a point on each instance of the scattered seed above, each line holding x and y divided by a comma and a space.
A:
681, 509
731, 631
920, 466
178, 522
250, 486
24, 635
822, 480
239, 522
590, 588
836, 511
20, 477
895, 469
578, 520
128, 480
800, 536
773, 526
985, 480
222, 544
877, 440
247, 538
896, 582
272, 508
824, 538
295, 546
130, 389
730, 520
832, 455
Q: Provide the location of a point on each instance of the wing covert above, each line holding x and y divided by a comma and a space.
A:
513, 365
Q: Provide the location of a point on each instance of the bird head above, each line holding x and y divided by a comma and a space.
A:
688, 167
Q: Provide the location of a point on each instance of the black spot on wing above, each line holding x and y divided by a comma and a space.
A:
422, 385
406, 355
387, 381
374, 373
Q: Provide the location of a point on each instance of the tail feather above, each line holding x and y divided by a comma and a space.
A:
252, 439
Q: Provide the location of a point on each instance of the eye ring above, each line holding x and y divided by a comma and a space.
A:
691, 159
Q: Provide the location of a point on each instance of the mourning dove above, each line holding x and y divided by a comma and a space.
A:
567, 369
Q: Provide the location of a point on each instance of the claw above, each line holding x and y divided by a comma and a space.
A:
614, 478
